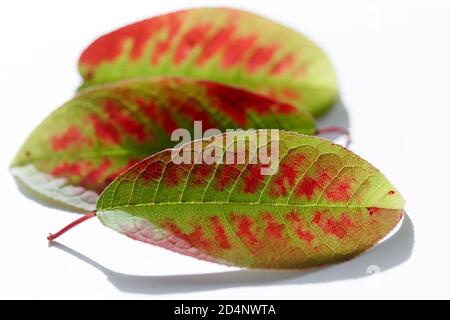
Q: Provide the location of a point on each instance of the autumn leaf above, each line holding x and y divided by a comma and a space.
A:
223, 45
82, 146
323, 205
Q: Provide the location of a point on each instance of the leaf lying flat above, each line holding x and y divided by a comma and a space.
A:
324, 205
81, 147
223, 45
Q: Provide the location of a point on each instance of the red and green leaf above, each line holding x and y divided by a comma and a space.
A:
82, 146
223, 45
324, 205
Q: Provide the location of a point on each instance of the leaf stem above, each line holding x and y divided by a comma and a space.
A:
87, 216
340, 130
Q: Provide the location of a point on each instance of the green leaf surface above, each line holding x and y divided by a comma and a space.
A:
223, 45
323, 205
82, 146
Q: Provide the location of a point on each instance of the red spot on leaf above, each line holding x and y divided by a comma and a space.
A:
172, 174
252, 178
120, 117
299, 227
173, 228
317, 217
200, 173
163, 46
92, 178
236, 49
308, 185
161, 116
244, 229
333, 227
283, 65
176, 173
338, 228
273, 228
110, 46
71, 137
149, 108
193, 109
168, 122
345, 221
191, 39
236, 103
219, 232
391, 192
338, 191
152, 172
105, 131
215, 43
68, 169
372, 210
287, 175
285, 108
222, 98
195, 238
227, 176
291, 94
260, 57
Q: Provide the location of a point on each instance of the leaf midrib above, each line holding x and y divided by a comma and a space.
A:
244, 203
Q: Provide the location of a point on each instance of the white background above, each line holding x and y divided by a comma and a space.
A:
393, 64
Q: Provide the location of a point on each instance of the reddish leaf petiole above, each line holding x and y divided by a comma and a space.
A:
87, 216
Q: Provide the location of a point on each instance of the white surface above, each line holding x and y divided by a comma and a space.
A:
393, 62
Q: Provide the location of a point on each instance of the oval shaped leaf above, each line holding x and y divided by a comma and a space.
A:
81, 147
324, 205
223, 45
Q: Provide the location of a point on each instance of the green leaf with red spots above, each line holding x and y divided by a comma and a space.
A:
223, 45
81, 147
323, 205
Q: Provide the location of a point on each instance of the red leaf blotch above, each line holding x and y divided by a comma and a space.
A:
152, 171
260, 57
123, 120
253, 180
227, 176
283, 65
191, 38
219, 232
105, 131
308, 185
244, 230
338, 228
273, 228
215, 43
236, 49
68, 169
200, 173
173, 27
299, 227
92, 178
71, 137
338, 191
287, 175
110, 46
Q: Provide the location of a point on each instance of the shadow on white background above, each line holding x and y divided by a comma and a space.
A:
388, 254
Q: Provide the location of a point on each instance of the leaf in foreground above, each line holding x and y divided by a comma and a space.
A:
223, 45
324, 205
82, 146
